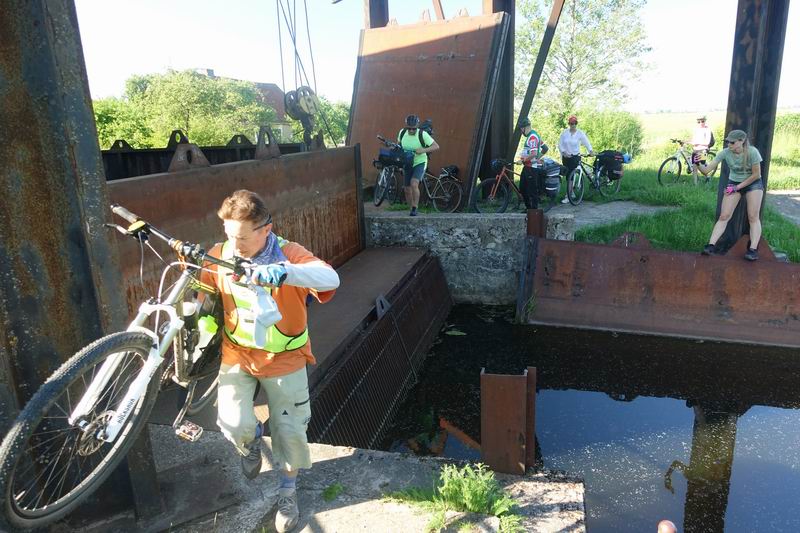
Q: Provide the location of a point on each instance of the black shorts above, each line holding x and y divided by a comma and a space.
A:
757, 185
413, 173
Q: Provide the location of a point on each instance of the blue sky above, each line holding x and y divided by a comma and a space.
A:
240, 40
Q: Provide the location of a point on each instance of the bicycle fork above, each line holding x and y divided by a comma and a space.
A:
137, 388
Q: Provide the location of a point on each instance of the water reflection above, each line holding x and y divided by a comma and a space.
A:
650, 423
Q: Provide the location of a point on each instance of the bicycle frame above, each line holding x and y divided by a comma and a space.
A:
154, 359
503, 176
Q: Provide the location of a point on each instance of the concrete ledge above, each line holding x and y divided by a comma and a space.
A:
547, 501
481, 254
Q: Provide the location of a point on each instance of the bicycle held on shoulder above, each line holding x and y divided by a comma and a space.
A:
444, 191
599, 176
83, 420
669, 173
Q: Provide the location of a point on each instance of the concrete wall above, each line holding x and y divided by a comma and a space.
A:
481, 254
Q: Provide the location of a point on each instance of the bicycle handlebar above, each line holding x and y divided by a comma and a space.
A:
390, 144
240, 267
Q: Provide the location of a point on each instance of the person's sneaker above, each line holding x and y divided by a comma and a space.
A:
288, 514
565, 200
709, 249
751, 254
251, 463
413, 212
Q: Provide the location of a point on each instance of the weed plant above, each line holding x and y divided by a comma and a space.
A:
472, 489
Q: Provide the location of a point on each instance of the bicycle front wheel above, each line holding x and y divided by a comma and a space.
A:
47, 466
575, 186
446, 196
381, 186
607, 186
670, 171
491, 200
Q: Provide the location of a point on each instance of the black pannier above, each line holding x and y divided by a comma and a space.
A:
612, 161
394, 157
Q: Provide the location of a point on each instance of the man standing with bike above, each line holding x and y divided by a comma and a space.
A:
569, 144
702, 140
272, 355
531, 178
413, 139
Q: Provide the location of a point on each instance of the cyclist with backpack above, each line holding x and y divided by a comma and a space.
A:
531, 178
418, 141
702, 140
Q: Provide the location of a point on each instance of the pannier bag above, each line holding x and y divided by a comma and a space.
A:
612, 161
552, 182
394, 157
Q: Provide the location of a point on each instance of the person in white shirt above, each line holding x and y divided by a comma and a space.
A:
701, 141
569, 144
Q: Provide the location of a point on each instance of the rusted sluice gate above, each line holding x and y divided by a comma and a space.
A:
370, 340
642, 290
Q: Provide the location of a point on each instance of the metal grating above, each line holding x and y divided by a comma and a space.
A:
356, 399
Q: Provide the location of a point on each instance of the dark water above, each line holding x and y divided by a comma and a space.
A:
620, 410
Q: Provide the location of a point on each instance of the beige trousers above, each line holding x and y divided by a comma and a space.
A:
289, 413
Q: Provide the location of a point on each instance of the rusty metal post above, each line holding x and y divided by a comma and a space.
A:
538, 68
437, 7
376, 13
753, 95
508, 421
60, 287
537, 227
502, 120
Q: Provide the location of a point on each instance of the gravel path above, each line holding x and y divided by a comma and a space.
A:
787, 203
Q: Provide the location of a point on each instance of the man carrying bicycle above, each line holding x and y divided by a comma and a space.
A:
531, 178
569, 144
272, 355
413, 139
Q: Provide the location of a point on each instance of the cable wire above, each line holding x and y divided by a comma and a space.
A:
310, 49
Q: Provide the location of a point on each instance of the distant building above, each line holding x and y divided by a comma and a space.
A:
272, 95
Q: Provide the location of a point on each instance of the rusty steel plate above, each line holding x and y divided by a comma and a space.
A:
445, 71
312, 196
503, 422
660, 292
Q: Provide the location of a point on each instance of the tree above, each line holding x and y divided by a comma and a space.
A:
208, 110
598, 46
337, 117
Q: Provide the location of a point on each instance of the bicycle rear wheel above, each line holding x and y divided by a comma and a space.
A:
670, 171
576, 182
607, 186
486, 202
446, 196
47, 466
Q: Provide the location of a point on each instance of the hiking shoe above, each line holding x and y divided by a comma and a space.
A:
413, 212
751, 254
288, 514
251, 463
565, 200
709, 249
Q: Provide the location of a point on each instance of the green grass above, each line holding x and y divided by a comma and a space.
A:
331, 492
472, 489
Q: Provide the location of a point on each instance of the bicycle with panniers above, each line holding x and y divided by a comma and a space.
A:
495, 195
604, 175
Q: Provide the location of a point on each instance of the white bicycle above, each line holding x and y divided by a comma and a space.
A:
83, 420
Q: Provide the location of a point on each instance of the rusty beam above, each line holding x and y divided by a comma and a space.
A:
753, 95
454, 66
60, 287
536, 74
437, 7
680, 294
502, 120
376, 13
503, 422
318, 209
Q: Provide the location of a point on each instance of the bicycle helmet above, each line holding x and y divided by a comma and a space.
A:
572, 119
412, 121
523, 122
626, 158
497, 165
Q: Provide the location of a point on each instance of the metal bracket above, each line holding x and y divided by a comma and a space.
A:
382, 306
187, 155
266, 150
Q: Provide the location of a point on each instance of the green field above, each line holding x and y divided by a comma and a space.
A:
688, 227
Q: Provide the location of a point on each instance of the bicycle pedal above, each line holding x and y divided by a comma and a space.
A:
189, 431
